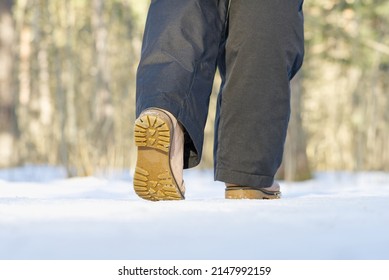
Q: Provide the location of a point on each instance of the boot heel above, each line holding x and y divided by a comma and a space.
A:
153, 178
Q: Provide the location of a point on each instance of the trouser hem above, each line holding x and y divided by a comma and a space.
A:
243, 179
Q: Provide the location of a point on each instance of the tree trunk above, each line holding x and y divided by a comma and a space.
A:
295, 165
8, 126
103, 103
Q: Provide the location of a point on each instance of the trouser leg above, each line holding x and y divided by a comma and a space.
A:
178, 62
264, 50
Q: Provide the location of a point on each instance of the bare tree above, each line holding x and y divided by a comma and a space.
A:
8, 125
295, 166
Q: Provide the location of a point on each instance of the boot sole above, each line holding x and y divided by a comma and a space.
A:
250, 193
153, 178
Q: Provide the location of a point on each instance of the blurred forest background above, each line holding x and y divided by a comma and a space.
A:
67, 86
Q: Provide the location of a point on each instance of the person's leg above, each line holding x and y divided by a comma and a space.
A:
264, 50
174, 81
178, 63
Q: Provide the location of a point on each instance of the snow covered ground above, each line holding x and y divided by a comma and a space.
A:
43, 215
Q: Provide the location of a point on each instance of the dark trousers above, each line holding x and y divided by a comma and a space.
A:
258, 46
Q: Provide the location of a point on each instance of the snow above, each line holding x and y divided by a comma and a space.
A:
337, 215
